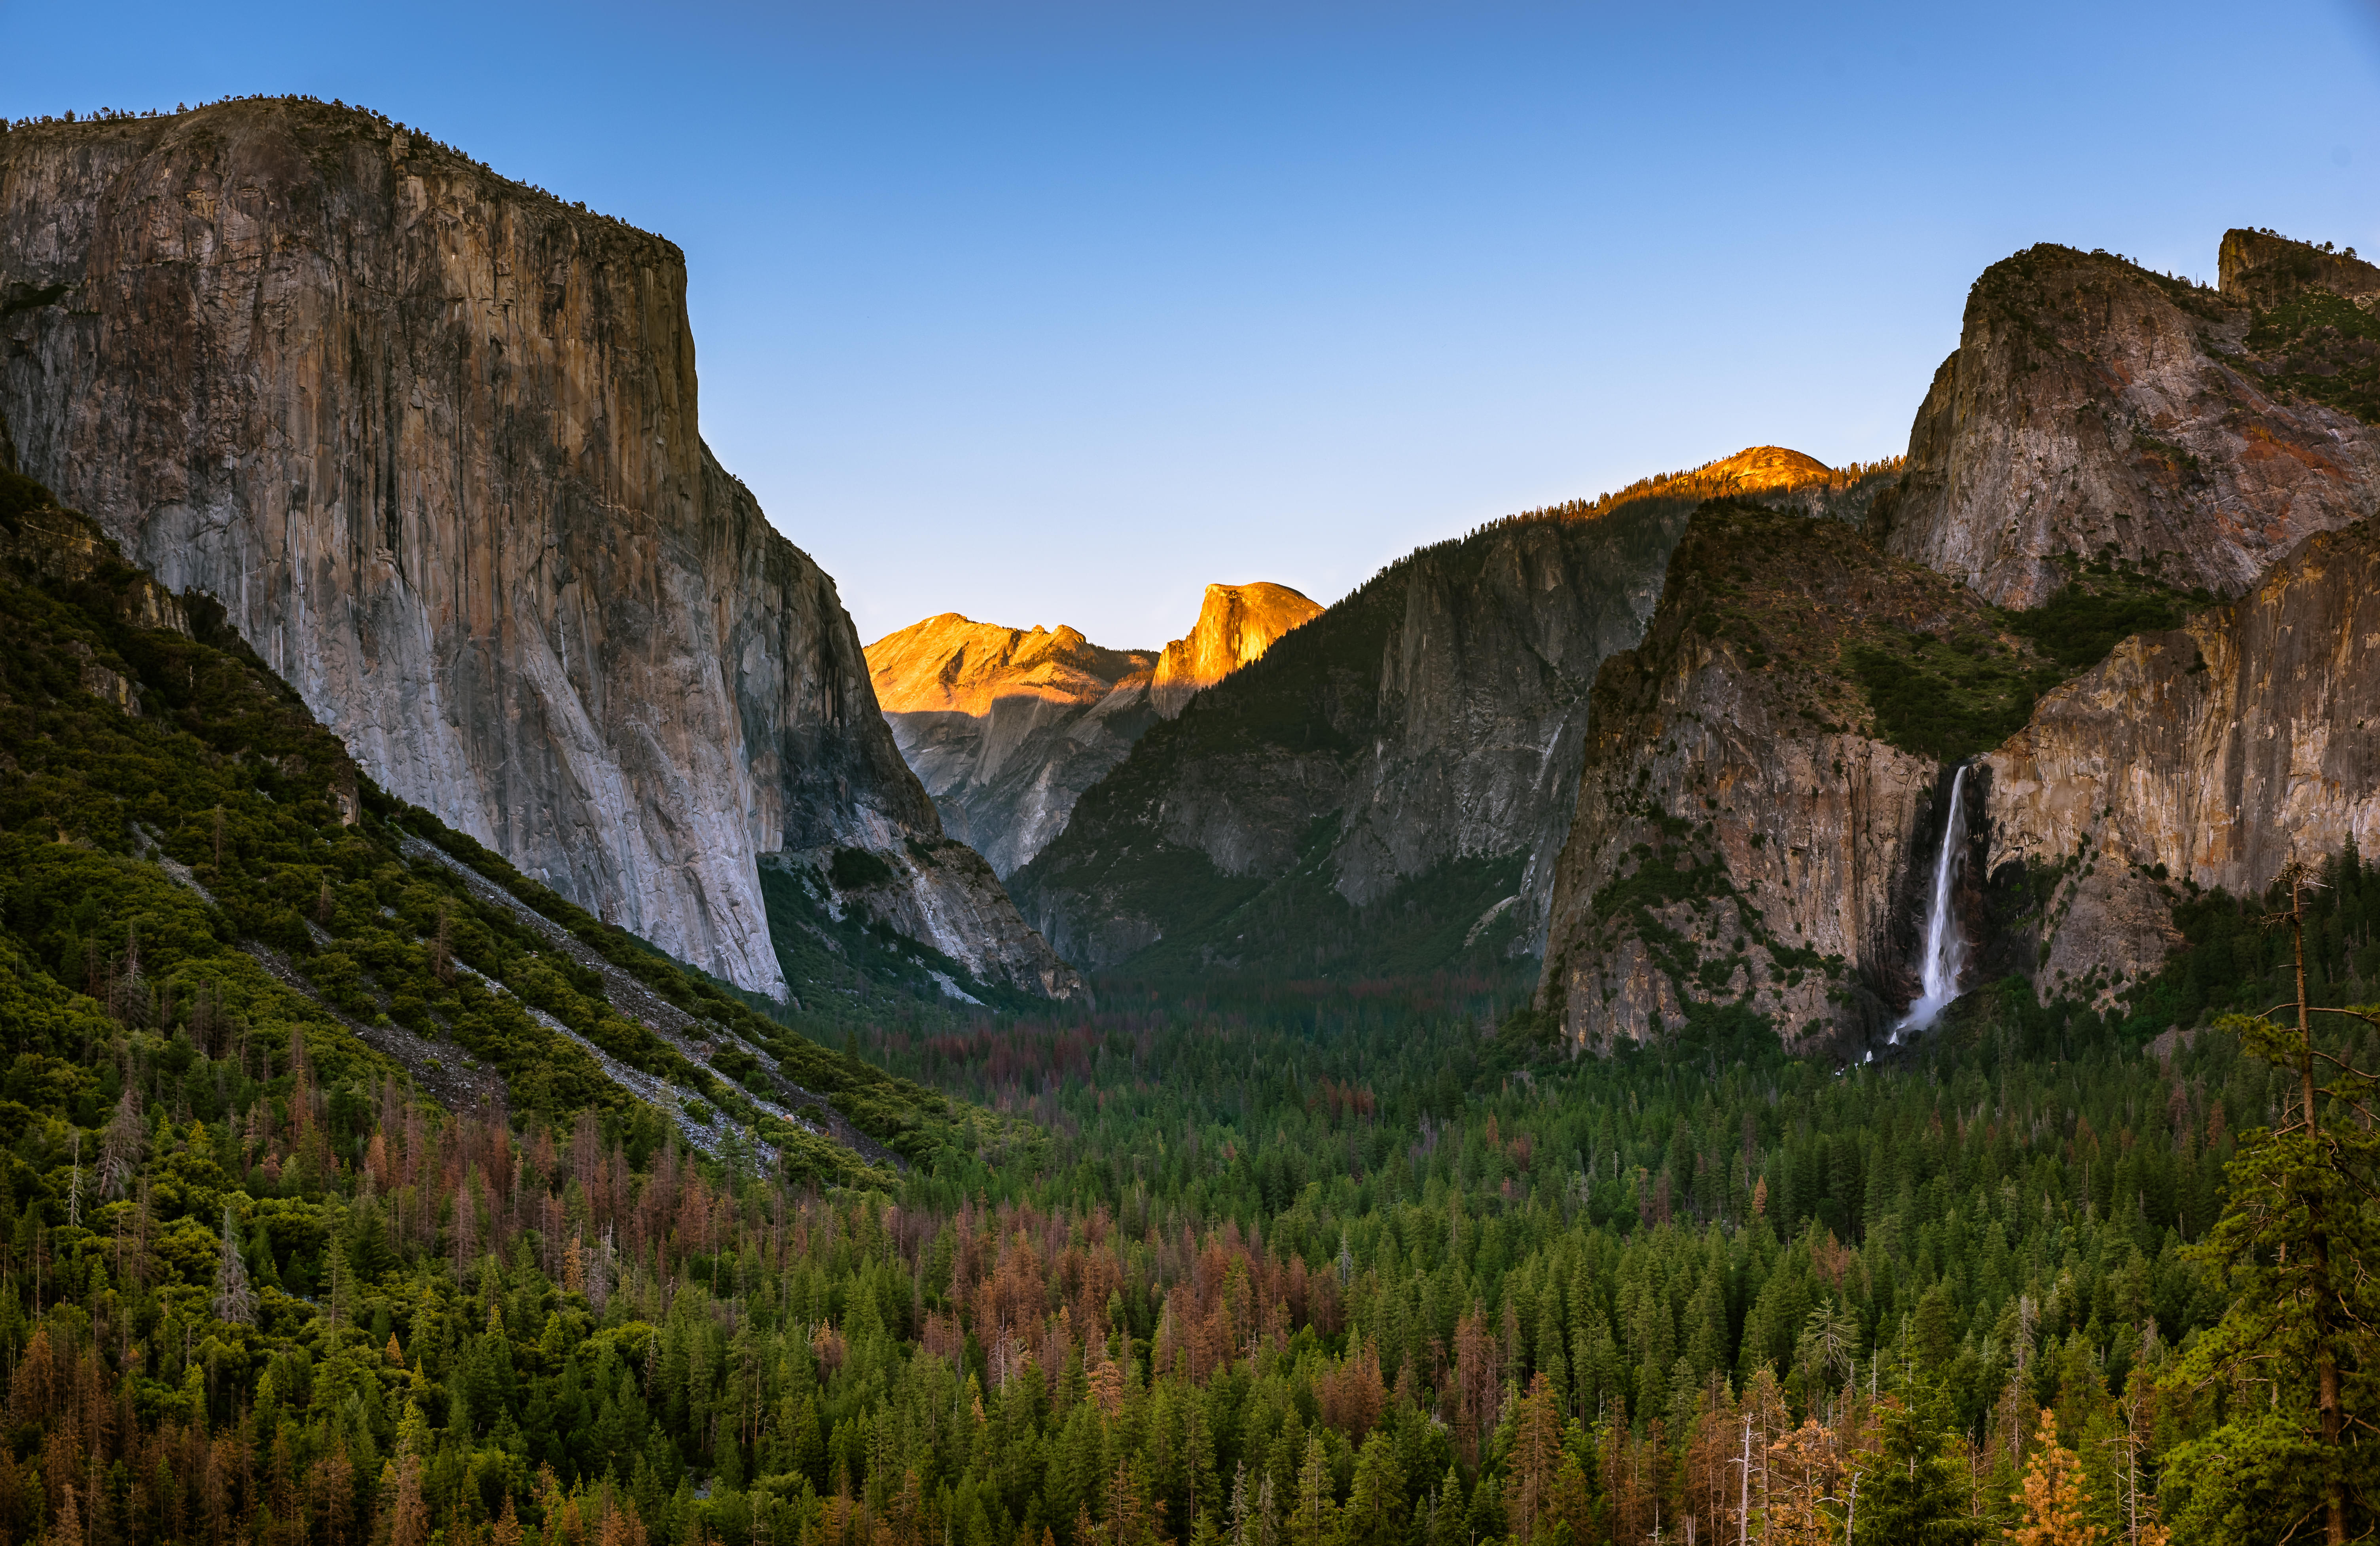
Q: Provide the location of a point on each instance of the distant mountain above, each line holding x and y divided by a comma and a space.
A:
1385, 791
1236, 624
1007, 727
433, 437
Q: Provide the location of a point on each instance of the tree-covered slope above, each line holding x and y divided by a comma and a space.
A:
201, 891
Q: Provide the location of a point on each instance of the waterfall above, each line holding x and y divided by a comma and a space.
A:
1945, 947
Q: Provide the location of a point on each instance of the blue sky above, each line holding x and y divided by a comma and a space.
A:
1056, 312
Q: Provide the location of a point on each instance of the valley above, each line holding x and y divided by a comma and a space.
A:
1781, 1001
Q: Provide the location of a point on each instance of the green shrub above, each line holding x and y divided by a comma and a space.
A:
857, 870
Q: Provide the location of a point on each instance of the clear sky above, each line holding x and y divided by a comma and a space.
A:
1056, 312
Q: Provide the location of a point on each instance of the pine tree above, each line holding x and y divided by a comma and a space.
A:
1916, 1494
1376, 1504
1314, 1520
2050, 1504
126, 1140
1537, 1452
1447, 1526
235, 1300
2299, 1243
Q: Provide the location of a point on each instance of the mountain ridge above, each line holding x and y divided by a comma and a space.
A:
2143, 642
1007, 727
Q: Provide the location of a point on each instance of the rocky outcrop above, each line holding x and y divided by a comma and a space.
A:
2264, 270
2095, 409
1745, 838
431, 436
1404, 763
2204, 757
1753, 835
1007, 727
1236, 624
2222, 438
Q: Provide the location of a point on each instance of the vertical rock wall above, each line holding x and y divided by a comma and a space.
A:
1743, 836
432, 437
2207, 755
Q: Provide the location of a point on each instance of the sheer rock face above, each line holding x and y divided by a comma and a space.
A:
2262, 270
432, 437
2197, 447
1236, 624
2212, 752
1741, 833
2094, 408
1007, 727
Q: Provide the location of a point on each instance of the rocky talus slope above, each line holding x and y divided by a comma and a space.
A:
431, 435
2093, 409
1007, 727
2110, 454
1387, 788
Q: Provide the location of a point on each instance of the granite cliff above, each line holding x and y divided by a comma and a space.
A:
2200, 758
1007, 727
2125, 576
2095, 409
1386, 789
1747, 837
432, 437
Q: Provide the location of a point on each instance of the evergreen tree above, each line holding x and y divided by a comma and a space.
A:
1376, 1505
1915, 1494
2051, 1501
1313, 1521
1448, 1526
2299, 1244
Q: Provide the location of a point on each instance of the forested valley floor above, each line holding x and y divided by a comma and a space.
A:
1318, 1264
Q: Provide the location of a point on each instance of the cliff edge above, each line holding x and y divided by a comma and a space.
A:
2097, 409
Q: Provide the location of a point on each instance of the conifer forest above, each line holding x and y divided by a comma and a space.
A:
1308, 1264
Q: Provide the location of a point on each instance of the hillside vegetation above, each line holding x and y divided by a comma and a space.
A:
202, 890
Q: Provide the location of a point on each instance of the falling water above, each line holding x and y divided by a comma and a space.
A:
1945, 947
